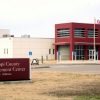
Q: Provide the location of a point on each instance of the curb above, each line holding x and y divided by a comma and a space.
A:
40, 66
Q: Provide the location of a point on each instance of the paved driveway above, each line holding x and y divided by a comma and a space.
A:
81, 68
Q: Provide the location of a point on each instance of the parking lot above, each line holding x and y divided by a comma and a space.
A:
74, 68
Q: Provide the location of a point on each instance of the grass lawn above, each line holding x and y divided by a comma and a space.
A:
53, 86
92, 97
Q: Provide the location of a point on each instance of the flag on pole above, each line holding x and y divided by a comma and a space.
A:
94, 40
95, 22
98, 21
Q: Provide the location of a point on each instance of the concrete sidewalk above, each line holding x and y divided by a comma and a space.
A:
79, 62
72, 62
48, 64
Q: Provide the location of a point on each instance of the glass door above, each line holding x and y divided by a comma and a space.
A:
91, 54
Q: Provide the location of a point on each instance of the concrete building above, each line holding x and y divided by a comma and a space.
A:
4, 32
33, 48
24, 47
74, 41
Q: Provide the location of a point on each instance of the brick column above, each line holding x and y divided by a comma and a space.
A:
55, 52
71, 40
99, 52
86, 52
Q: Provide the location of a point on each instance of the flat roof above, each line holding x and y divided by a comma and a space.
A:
77, 23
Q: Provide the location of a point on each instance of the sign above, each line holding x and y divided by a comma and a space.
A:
12, 69
30, 53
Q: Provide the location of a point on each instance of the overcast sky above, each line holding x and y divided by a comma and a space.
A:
38, 17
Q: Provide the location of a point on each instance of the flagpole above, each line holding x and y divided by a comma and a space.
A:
94, 41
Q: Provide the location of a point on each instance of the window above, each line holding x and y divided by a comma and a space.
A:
79, 49
49, 51
5, 35
63, 32
91, 32
79, 32
5, 51
91, 48
53, 51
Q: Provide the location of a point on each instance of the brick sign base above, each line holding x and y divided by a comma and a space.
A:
13, 69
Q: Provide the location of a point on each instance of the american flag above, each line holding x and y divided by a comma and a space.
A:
98, 21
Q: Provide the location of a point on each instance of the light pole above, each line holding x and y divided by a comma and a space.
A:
94, 41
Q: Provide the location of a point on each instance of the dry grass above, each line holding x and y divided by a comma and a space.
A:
51, 86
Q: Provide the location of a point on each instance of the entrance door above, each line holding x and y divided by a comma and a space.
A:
63, 52
91, 54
